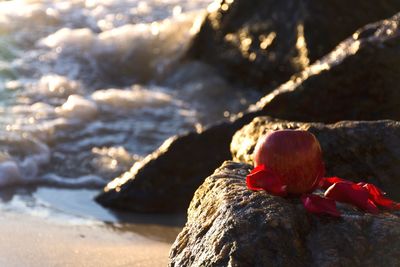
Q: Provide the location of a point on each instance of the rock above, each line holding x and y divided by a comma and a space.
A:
359, 151
229, 225
262, 43
166, 179
357, 81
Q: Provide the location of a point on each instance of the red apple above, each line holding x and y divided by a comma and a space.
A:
294, 155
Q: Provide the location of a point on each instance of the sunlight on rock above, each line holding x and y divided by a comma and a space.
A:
243, 41
302, 60
345, 49
266, 40
119, 181
198, 21
214, 6
224, 7
213, 15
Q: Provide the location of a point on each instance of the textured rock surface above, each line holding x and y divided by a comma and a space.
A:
358, 81
228, 225
262, 42
359, 151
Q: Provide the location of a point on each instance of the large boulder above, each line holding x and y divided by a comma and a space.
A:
263, 42
229, 225
357, 81
359, 151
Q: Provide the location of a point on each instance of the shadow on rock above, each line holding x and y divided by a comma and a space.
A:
261, 43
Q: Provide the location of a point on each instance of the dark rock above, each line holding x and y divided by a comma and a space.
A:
357, 81
263, 42
166, 179
359, 151
228, 225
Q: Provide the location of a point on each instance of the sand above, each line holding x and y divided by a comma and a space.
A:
27, 240
66, 227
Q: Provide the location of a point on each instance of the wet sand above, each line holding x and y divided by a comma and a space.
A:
30, 241
60, 227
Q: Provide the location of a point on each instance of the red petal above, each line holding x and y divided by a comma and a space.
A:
260, 178
320, 205
351, 193
377, 196
326, 182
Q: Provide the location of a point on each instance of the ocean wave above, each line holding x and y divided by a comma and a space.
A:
137, 97
89, 87
130, 53
21, 158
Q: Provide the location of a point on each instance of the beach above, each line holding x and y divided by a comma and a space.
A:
60, 227
29, 241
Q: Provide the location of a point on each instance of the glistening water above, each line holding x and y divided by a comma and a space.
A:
89, 87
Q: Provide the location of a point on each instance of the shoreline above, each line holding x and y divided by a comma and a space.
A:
30, 241
65, 227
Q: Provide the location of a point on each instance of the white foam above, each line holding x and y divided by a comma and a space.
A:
73, 182
41, 110
146, 49
22, 159
25, 169
71, 39
61, 53
30, 20
139, 51
12, 174
136, 97
77, 107
16, 14
111, 161
52, 85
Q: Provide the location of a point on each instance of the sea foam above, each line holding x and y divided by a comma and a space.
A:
77, 107
90, 87
137, 97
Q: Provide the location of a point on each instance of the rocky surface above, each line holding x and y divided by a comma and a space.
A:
263, 42
229, 225
356, 81
359, 151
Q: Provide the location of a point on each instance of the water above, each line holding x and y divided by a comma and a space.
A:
89, 87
